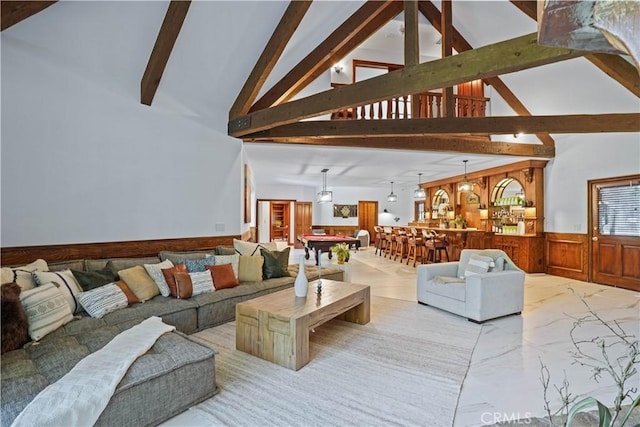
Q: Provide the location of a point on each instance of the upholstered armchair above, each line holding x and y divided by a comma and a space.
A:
482, 285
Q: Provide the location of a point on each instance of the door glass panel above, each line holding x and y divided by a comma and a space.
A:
619, 210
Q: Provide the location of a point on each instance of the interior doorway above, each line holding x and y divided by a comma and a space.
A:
274, 220
614, 231
368, 218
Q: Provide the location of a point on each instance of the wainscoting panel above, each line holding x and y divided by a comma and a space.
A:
567, 255
21, 255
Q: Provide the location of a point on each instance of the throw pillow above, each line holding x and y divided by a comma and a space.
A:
225, 250
155, 271
223, 276
15, 326
103, 300
198, 265
131, 297
250, 268
202, 282
478, 264
252, 249
229, 259
179, 257
94, 279
169, 277
275, 263
69, 286
500, 263
46, 308
22, 275
184, 286
140, 283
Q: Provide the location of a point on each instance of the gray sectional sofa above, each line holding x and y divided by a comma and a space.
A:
175, 374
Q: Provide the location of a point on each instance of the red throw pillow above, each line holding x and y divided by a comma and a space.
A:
131, 297
184, 286
223, 276
168, 274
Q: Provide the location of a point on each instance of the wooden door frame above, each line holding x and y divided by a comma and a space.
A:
257, 212
592, 211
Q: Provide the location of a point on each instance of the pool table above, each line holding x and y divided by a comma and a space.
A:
324, 242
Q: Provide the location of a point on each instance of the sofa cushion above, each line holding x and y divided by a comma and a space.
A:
140, 283
225, 250
117, 263
229, 259
478, 264
94, 279
198, 265
179, 257
103, 300
223, 276
15, 326
275, 263
250, 268
69, 286
252, 249
131, 297
155, 271
22, 275
455, 289
77, 264
47, 309
169, 275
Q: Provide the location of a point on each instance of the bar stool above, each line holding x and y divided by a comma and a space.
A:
401, 244
415, 247
390, 244
380, 240
435, 246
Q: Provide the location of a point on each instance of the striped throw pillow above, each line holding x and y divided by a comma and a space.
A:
46, 308
478, 264
103, 300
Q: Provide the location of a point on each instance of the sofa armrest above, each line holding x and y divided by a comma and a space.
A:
495, 294
427, 272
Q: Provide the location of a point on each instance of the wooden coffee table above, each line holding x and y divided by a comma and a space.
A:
275, 327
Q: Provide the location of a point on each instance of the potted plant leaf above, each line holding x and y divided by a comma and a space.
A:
342, 252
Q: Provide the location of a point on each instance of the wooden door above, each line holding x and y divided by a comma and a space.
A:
303, 221
368, 218
614, 224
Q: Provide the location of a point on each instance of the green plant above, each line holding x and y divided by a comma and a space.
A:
596, 354
341, 250
459, 221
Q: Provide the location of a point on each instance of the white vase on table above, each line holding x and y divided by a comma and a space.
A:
301, 285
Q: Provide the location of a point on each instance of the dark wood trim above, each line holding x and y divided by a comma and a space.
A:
365, 21
507, 56
167, 36
272, 51
338, 230
567, 255
16, 11
137, 248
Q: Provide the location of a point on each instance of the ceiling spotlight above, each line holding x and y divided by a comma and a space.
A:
337, 68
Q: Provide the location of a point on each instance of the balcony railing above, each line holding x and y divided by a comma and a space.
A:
400, 108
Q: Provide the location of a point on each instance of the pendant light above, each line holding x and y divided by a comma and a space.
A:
419, 192
392, 197
465, 186
324, 196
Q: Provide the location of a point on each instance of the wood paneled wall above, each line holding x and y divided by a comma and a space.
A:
567, 255
340, 230
139, 248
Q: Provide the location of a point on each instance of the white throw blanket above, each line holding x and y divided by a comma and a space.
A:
78, 398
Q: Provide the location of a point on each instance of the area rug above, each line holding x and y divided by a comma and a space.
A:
405, 367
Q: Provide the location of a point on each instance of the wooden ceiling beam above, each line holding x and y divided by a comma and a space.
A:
365, 21
275, 46
12, 12
426, 143
460, 44
167, 36
487, 61
575, 123
614, 66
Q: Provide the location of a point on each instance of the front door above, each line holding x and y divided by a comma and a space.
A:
368, 218
614, 225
